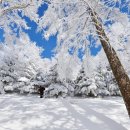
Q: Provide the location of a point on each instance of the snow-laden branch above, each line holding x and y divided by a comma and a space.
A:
9, 9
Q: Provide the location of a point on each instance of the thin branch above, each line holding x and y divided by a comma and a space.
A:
85, 23
14, 8
83, 14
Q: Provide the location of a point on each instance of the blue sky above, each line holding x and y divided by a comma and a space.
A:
38, 36
51, 43
39, 39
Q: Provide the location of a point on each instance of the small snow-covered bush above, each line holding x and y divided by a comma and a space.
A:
103, 92
8, 88
22, 85
56, 90
114, 90
69, 84
90, 90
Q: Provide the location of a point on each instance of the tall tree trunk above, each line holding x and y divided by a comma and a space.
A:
116, 66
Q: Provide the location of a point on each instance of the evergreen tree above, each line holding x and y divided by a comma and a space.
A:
101, 81
111, 83
19, 64
105, 81
56, 87
84, 86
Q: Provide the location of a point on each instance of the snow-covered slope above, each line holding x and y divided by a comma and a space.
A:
33, 113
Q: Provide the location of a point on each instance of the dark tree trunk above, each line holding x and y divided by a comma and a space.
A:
116, 66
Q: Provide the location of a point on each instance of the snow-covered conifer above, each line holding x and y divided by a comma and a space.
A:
84, 86
20, 59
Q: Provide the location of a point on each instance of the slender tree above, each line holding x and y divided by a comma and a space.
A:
116, 66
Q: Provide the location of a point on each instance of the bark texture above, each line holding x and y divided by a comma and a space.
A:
116, 66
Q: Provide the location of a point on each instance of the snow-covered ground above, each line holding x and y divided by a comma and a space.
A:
33, 113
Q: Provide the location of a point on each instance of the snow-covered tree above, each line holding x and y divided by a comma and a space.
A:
74, 20
56, 87
7, 66
105, 81
110, 81
100, 81
20, 59
67, 64
84, 85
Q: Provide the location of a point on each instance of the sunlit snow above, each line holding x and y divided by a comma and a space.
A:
32, 113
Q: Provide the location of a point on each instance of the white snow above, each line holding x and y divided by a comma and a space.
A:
33, 113
23, 79
56, 89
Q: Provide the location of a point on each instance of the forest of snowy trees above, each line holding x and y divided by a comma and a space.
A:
21, 70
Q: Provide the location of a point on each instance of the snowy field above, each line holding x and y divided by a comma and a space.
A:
33, 113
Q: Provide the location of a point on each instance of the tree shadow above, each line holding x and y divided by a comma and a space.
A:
33, 113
